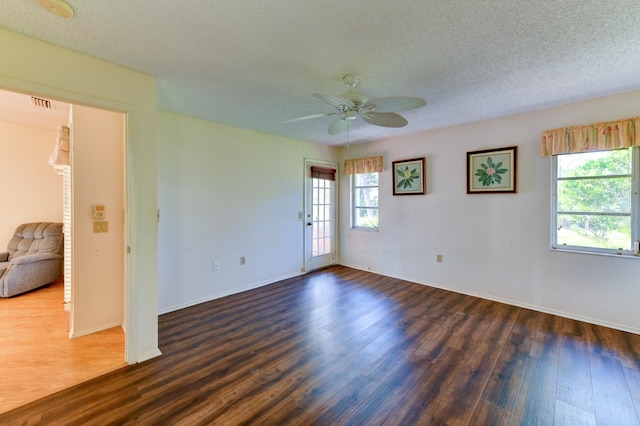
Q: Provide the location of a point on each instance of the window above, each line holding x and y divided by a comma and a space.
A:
364, 200
322, 213
595, 201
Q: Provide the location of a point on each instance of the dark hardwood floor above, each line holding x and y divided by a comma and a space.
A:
346, 347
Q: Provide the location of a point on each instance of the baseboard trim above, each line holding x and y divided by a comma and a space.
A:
148, 355
516, 303
209, 298
74, 335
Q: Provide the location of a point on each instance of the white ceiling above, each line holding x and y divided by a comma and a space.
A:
255, 63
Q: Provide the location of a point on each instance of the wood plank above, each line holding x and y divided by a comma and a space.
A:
536, 400
574, 370
570, 415
613, 402
424, 398
633, 381
37, 358
313, 396
627, 349
506, 379
486, 413
342, 346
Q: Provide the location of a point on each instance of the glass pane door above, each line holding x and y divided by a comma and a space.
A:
320, 221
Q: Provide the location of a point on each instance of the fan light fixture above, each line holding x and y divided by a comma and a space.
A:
353, 104
57, 7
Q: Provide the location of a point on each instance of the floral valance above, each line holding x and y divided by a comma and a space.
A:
60, 154
594, 137
363, 165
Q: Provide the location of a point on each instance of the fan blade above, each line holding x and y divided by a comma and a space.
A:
308, 117
336, 101
338, 126
396, 104
385, 119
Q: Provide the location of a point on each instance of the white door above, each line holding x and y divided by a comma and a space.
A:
320, 215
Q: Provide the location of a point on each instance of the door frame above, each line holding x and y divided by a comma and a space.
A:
308, 162
130, 320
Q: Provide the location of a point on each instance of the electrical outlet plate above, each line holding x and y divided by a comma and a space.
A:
216, 265
439, 258
100, 226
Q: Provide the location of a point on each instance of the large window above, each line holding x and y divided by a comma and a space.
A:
364, 200
595, 201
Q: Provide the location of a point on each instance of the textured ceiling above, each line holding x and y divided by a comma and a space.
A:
255, 63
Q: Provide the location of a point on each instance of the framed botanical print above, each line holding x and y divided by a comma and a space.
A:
492, 170
409, 177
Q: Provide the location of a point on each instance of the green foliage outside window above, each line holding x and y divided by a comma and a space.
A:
365, 201
603, 185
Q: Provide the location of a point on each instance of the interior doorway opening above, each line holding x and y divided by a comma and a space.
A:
98, 260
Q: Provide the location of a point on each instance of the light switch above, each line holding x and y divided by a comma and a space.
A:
99, 212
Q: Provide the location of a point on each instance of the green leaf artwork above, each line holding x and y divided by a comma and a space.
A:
406, 177
490, 172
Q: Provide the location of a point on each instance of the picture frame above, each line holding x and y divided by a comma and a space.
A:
409, 176
492, 171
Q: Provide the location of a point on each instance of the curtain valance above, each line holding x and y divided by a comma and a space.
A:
363, 165
60, 154
594, 137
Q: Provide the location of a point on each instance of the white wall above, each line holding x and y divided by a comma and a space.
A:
224, 193
80, 79
98, 258
493, 245
31, 189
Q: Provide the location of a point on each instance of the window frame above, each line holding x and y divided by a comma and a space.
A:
355, 207
634, 213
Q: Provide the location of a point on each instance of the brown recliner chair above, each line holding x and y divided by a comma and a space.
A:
33, 258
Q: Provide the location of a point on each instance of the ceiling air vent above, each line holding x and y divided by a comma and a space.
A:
41, 103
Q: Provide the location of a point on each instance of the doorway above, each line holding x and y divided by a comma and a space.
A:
320, 215
98, 306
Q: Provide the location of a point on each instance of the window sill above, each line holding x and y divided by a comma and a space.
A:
355, 228
625, 256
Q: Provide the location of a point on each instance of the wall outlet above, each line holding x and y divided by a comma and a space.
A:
242, 260
100, 226
439, 258
216, 265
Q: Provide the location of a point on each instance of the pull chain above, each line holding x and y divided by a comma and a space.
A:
347, 135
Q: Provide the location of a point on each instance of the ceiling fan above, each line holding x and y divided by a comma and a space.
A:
353, 104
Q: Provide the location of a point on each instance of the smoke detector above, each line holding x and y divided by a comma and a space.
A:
57, 7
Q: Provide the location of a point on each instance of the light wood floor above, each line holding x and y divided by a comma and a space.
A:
346, 347
37, 358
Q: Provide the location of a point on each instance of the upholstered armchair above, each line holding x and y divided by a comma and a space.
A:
33, 258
